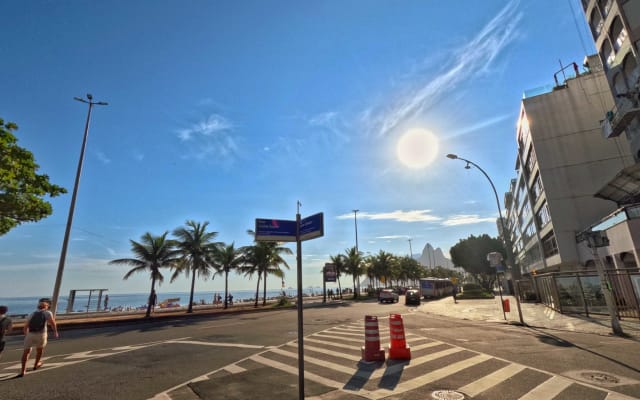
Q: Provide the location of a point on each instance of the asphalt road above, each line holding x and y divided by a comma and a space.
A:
248, 356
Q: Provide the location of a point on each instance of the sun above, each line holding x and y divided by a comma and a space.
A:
417, 148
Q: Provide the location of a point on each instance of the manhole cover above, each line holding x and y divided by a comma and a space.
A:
600, 377
447, 395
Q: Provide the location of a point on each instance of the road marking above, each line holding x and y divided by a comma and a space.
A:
234, 369
548, 389
217, 344
488, 381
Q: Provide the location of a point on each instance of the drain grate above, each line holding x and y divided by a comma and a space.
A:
447, 395
600, 377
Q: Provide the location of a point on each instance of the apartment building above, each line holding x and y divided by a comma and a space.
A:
562, 161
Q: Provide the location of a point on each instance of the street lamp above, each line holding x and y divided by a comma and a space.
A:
410, 250
355, 221
504, 229
67, 232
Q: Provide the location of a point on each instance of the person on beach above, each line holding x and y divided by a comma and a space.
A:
153, 300
106, 302
35, 331
230, 299
5, 326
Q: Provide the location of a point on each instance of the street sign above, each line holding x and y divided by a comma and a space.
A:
312, 227
275, 230
330, 273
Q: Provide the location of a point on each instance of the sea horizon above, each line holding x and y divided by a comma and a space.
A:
20, 305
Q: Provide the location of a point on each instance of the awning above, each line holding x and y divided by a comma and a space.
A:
624, 188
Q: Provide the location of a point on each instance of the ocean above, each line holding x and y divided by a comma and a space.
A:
125, 302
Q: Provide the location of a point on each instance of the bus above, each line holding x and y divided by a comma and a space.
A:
435, 287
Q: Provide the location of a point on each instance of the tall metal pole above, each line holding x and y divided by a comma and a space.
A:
503, 234
355, 221
300, 325
67, 232
410, 250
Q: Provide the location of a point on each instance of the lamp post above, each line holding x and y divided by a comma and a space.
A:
410, 250
504, 228
67, 232
355, 222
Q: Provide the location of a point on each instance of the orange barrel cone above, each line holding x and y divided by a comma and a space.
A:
398, 349
371, 351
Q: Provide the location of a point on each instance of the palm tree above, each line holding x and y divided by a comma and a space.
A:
195, 247
338, 261
264, 258
227, 258
151, 254
352, 262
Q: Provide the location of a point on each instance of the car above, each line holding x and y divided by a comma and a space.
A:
388, 296
412, 296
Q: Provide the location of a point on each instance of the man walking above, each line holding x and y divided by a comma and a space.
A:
5, 326
35, 331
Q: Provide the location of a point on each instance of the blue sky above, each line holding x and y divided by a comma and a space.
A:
231, 111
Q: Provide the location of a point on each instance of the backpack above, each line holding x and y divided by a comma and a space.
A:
37, 321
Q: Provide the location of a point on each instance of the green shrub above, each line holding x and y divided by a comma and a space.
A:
471, 286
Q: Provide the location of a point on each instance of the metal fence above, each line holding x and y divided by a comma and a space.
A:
581, 292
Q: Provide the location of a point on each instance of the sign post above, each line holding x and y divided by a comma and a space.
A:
273, 230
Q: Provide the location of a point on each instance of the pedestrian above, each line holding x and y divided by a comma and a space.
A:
153, 300
106, 302
5, 326
454, 292
230, 299
35, 331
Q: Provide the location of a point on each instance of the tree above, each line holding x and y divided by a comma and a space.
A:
338, 261
264, 258
471, 255
227, 258
21, 188
353, 265
383, 265
195, 246
151, 254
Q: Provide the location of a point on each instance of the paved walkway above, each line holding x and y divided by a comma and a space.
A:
533, 314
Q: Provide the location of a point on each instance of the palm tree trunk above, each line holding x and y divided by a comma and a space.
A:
257, 289
339, 289
153, 288
226, 287
193, 285
264, 290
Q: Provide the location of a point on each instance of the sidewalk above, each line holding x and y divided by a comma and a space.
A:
533, 314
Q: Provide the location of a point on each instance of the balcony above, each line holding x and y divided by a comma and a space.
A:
618, 119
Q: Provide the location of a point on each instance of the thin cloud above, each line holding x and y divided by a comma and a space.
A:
480, 125
471, 60
398, 215
103, 157
211, 139
470, 219
391, 237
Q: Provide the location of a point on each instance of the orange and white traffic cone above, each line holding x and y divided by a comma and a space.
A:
398, 349
371, 351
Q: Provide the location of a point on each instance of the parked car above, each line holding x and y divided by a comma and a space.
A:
412, 296
388, 296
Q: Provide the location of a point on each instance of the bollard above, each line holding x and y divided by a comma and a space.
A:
371, 351
398, 349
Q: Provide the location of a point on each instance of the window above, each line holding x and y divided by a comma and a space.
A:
607, 53
619, 84
550, 245
605, 6
596, 23
618, 33
536, 189
630, 68
543, 216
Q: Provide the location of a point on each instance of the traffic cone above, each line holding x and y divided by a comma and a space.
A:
371, 351
398, 349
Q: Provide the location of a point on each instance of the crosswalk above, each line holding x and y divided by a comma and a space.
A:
333, 359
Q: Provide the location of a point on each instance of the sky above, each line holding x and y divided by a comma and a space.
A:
226, 112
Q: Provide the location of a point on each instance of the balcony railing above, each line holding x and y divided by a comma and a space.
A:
618, 119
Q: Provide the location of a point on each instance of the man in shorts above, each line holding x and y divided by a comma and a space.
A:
5, 325
37, 337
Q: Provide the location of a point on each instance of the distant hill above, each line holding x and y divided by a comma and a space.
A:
431, 257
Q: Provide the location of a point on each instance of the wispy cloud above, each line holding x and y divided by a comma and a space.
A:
211, 138
398, 215
472, 59
391, 237
480, 125
103, 157
470, 219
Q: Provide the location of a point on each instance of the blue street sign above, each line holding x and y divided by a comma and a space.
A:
312, 227
275, 230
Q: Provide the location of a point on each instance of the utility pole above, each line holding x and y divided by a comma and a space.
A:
67, 232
